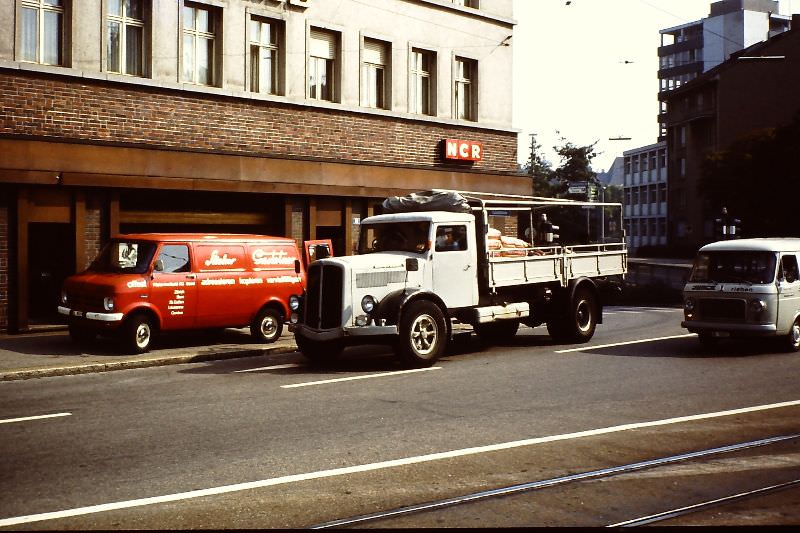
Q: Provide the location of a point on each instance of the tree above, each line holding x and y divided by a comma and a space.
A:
540, 171
576, 165
754, 179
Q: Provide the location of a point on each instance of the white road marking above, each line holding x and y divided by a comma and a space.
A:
283, 480
353, 378
274, 367
26, 418
596, 346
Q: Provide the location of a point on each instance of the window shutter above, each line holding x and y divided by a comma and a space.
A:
374, 52
323, 44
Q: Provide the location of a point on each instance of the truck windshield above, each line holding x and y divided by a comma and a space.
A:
734, 267
124, 257
394, 237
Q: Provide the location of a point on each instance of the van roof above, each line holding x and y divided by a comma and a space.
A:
764, 244
201, 237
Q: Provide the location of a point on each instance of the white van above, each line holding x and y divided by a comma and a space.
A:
745, 287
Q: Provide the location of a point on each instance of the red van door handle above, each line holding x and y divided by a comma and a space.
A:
191, 276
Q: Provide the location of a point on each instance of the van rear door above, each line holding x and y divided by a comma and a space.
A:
222, 299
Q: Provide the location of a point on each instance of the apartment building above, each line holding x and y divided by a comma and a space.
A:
285, 117
645, 196
757, 88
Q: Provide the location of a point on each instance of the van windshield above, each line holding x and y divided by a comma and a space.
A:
124, 257
734, 267
394, 237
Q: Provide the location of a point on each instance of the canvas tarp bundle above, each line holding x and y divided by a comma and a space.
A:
426, 201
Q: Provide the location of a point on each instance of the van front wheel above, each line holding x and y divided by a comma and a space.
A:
267, 326
138, 334
792, 341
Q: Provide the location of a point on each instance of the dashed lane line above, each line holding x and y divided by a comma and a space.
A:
589, 347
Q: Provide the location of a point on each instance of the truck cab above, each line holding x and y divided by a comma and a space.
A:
745, 288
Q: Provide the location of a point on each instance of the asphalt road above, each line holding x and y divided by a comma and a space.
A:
265, 442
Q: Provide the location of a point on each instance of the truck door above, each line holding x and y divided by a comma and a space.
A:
788, 292
455, 266
173, 289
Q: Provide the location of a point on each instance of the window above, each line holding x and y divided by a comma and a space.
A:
322, 65
451, 238
466, 3
375, 57
42, 31
198, 44
465, 88
173, 258
421, 76
264, 46
125, 39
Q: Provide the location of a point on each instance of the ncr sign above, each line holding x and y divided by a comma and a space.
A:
458, 150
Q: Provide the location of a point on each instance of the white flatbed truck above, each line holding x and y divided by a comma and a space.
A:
418, 271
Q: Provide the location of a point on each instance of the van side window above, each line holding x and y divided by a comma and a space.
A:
174, 258
789, 268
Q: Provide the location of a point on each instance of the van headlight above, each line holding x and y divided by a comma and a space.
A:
294, 303
689, 304
758, 306
64, 298
368, 303
108, 303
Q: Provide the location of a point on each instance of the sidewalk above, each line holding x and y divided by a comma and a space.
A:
51, 352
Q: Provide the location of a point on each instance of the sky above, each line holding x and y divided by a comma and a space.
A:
589, 71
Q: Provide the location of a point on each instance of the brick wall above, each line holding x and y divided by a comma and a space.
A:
42, 106
93, 234
4, 266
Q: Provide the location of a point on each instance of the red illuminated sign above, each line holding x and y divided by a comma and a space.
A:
463, 150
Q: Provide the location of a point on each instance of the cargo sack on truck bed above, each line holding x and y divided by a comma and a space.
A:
426, 201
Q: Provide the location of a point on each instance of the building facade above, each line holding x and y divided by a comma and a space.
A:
283, 117
645, 196
757, 88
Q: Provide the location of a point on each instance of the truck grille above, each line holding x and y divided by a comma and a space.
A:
324, 289
722, 309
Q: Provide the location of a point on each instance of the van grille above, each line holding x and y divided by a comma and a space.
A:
84, 302
324, 289
722, 309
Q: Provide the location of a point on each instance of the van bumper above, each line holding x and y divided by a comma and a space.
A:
89, 315
754, 330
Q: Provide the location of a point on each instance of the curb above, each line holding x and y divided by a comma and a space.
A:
30, 373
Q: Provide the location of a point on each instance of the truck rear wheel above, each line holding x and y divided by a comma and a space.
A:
579, 324
497, 331
423, 334
792, 340
319, 352
138, 334
267, 326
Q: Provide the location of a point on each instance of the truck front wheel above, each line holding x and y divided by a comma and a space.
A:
579, 324
423, 334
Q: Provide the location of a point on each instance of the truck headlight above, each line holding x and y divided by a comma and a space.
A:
64, 298
294, 303
368, 303
108, 303
758, 306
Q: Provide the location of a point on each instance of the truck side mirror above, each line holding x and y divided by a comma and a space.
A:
412, 265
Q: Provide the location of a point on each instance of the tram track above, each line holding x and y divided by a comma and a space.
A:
591, 475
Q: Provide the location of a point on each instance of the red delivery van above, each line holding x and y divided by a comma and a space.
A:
143, 284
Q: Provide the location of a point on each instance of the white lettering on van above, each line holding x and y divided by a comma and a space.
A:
216, 260
218, 282
250, 281
137, 284
285, 279
281, 257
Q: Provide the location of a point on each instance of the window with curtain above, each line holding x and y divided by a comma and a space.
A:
198, 44
42, 31
264, 49
322, 65
465, 89
125, 39
373, 73
421, 75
